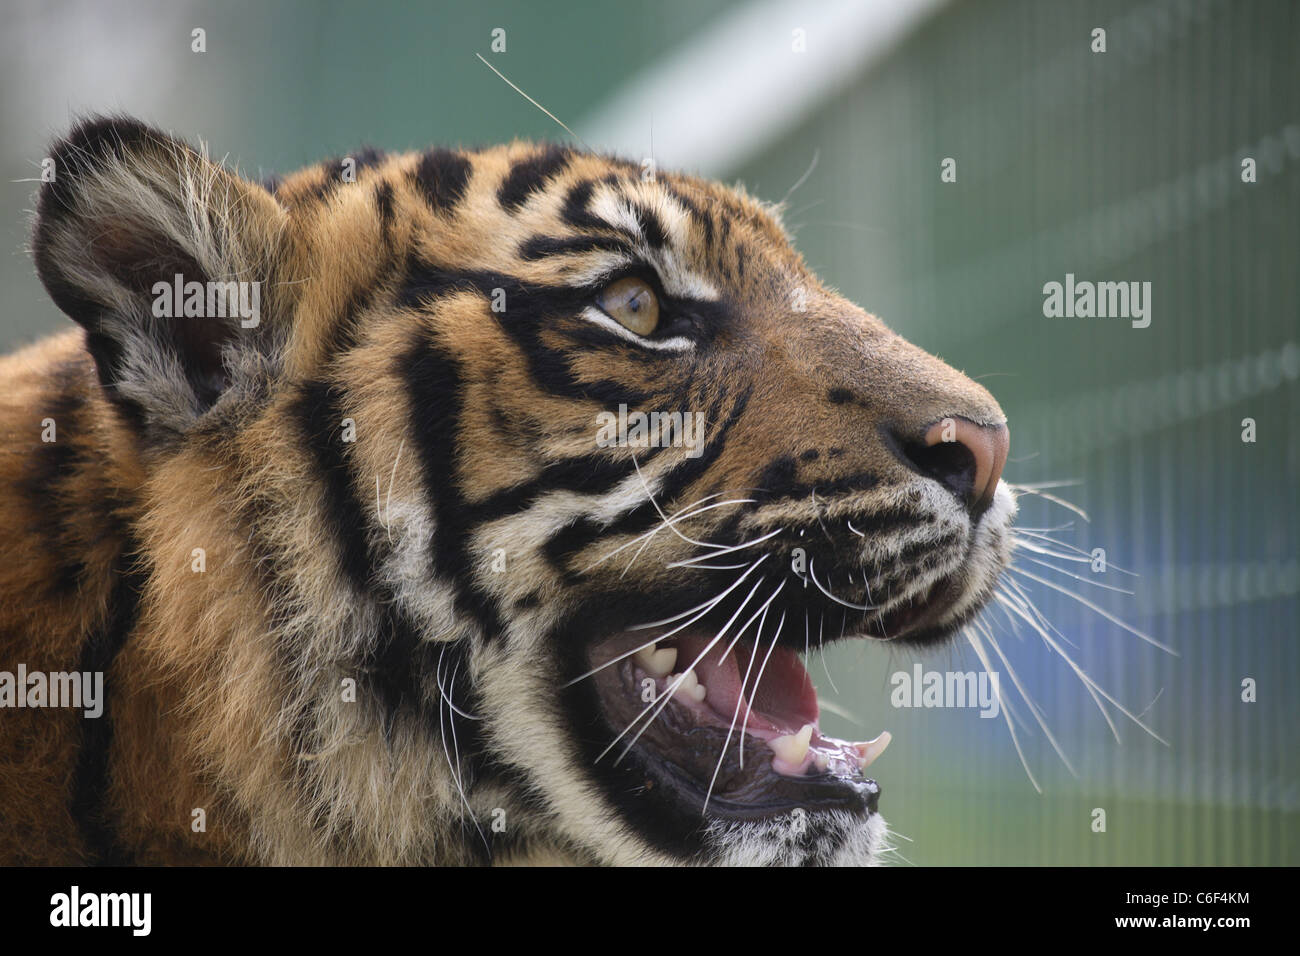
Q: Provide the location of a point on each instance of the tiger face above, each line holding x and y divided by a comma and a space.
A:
559, 468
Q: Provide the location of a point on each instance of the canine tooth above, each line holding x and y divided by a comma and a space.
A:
657, 662
792, 748
869, 751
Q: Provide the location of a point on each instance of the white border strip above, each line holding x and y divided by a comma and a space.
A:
740, 85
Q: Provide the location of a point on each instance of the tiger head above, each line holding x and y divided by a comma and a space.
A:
558, 466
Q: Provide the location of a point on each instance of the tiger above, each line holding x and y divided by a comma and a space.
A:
485, 514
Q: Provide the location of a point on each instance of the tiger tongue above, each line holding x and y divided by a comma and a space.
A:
784, 701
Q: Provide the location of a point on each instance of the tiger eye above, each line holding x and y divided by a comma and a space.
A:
632, 303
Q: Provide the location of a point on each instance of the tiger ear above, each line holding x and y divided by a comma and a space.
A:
165, 258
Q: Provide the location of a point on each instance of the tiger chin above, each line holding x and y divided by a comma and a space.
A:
319, 486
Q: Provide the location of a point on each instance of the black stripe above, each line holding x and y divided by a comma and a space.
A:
888, 519
539, 247
926, 548
530, 175
450, 663
582, 475
47, 471
528, 309
345, 335
574, 539
384, 206
90, 781
442, 177
395, 664
425, 282
319, 415
331, 177
274, 581
575, 212
702, 216
366, 158
397, 667
778, 482
652, 227
434, 383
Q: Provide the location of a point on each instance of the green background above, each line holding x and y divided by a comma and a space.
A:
1119, 166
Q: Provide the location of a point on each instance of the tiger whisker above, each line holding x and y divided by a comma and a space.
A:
744, 682
450, 702
757, 636
1021, 606
1080, 577
703, 609
757, 681
1030, 490
1025, 545
455, 769
1029, 702
687, 562
624, 656
510, 84
678, 516
978, 647
856, 607
1089, 682
817, 514
1047, 529
649, 536
708, 603
660, 703
651, 497
1096, 608
388, 499
1013, 588
667, 695
801, 180
1032, 486
822, 647
1084, 555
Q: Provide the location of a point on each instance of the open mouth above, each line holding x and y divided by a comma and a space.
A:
731, 727
703, 723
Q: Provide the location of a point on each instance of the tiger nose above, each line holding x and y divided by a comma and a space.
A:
966, 458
